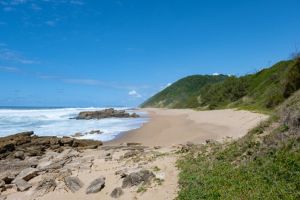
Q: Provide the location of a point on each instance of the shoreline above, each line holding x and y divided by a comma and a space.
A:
167, 127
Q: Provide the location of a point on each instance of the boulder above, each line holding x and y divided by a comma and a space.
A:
73, 183
136, 178
22, 185
96, 185
117, 192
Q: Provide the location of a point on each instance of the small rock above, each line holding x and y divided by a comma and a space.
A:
22, 185
45, 186
130, 154
20, 155
133, 144
135, 178
73, 183
95, 132
96, 185
117, 192
27, 174
122, 173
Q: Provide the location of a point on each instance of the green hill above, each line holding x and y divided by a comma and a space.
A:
263, 90
183, 93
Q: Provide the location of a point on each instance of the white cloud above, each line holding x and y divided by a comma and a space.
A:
169, 84
216, 74
134, 94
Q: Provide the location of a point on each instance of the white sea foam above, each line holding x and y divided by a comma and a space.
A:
58, 122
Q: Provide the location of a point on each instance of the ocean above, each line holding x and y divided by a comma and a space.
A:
59, 122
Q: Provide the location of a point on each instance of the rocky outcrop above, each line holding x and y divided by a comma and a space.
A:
96, 185
27, 144
107, 113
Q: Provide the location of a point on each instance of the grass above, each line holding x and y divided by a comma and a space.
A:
273, 175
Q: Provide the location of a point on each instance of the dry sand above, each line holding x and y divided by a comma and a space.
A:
177, 126
167, 128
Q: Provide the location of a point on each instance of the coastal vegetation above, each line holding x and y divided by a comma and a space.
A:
261, 91
183, 93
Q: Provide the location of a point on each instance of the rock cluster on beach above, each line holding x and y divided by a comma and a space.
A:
32, 167
27, 144
106, 113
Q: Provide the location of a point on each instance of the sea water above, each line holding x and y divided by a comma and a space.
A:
59, 122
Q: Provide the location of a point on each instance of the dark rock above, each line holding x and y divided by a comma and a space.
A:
67, 141
122, 173
135, 178
22, 185
78, 135
87, 144
94, 132
117, 192
133, 144
73, 183
96, 185
107, 113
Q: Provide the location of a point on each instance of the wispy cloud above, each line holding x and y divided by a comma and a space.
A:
216, 74
14, 56
134, 93
10, 69
83, 81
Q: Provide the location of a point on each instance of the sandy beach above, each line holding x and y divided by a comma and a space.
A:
169, 127
119, 159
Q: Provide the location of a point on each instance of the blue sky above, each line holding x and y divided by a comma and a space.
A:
120, 52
